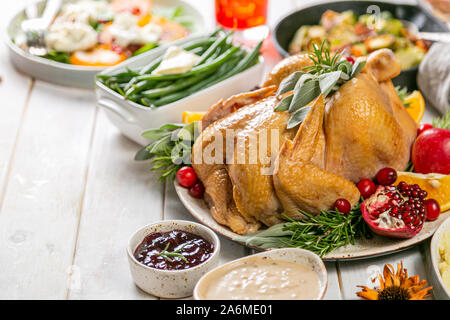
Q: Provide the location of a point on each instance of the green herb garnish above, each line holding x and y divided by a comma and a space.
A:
145, 48
324, 77
170, 148
402, 94
58, 56
320, 234
174, 254
442, 122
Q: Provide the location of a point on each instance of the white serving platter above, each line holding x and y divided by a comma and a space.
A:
132, 118
363, 248
67, 74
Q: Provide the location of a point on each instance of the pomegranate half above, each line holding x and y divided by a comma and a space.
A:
395, 211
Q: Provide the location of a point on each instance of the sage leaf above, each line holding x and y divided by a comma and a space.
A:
284, 104
143, 154
345, 66
357, 67
154, 134
161, 144
305, 93
289, 82
170, 127
298, 117
327, 81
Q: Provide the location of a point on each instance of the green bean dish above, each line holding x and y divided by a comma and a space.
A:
218, 59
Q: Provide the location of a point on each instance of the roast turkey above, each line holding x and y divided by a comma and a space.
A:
252, 176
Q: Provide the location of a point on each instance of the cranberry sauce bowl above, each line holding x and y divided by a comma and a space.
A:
167, 258
173, 250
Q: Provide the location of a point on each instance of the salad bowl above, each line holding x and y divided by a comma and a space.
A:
68, 74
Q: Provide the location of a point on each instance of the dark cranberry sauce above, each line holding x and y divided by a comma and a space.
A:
173, 250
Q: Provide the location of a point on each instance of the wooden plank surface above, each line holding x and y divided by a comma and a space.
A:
121, 196
42, 201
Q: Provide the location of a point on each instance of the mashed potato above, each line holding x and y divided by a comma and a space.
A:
444, 251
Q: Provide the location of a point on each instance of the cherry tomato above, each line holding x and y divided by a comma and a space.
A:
423, 127
342, 205
386, 176
432, 209
197, 190
186, 177
366, 187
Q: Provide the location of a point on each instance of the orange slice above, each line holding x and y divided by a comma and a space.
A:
415, 105
189, 116
437, 185
144, 20
99, 56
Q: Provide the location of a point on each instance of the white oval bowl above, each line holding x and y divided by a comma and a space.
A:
296, 255
170, 283
440, 291
132, 119
67, 74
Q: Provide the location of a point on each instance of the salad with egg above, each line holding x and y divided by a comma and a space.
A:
100, 33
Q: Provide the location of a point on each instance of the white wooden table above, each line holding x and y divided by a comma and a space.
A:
71, 195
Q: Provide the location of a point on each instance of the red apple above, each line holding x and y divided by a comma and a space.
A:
431, 151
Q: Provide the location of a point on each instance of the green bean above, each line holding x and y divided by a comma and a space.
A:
212, 49
200, 85
177, 85
207, 66
248, 59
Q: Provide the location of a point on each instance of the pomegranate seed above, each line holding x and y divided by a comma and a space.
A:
386, 176
424, 127
366, 187
342, 205
432, 209
197, 190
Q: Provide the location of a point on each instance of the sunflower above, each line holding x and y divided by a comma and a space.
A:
396, 286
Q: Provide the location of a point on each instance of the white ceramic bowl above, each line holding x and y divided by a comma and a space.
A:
132, 118
440, 291
66, 74
296, 255
170, 283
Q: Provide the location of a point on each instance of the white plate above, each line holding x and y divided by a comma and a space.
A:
363, 248
132, 118
67, 74
440, 291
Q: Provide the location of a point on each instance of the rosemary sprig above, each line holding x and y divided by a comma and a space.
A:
169, 150
324, 77
442, 122
321, 234
174, 254
402, 94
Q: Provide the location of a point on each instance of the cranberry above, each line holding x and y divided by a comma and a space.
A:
342, 205
366, 187
197, 190
386, 176
423, 127
186, 177
432, 209
350, 59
